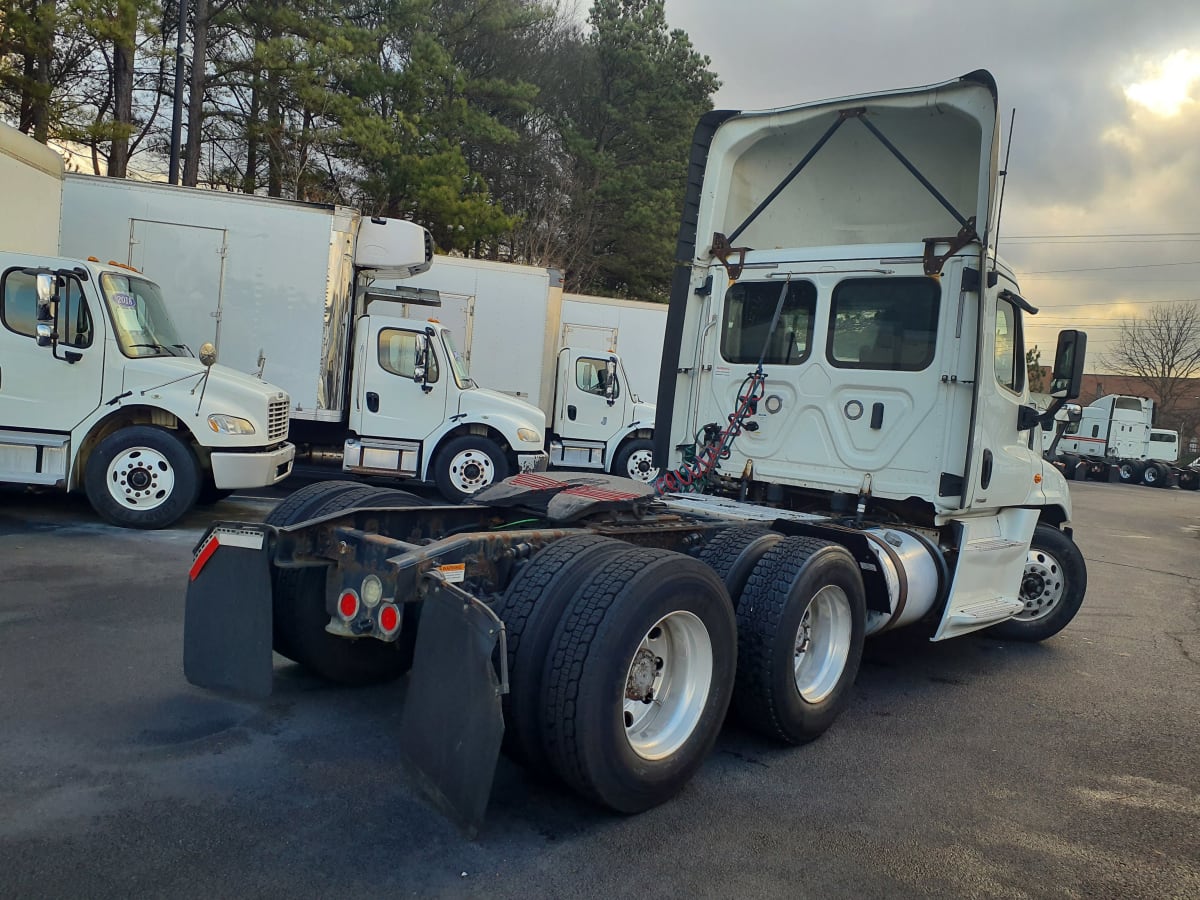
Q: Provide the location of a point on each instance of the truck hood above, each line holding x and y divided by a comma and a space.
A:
853, 189
643, 415
174, 384
484, 402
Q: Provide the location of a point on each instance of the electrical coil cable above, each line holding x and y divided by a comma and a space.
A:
705, 456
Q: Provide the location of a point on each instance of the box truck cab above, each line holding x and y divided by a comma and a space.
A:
415, 412
98, 392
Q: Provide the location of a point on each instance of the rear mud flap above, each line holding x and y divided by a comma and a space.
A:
227, 619
452, 721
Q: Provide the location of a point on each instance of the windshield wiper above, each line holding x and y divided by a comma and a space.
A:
153, 347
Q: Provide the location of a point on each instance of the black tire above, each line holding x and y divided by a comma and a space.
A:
1154, 475
300, 614
774, 608
635, 460
1189, 479
531, 608
210, 494
142, 477
468, 464
600, 650
1053, 586
734, 553
1130, 471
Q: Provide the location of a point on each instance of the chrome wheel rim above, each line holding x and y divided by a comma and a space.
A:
823, 643
667, 685
1042, 585
1150, 476
640, 466
471, 470
140, 478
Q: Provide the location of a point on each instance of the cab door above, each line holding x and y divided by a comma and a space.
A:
1003, 464
591, 398
388, 400
37, 390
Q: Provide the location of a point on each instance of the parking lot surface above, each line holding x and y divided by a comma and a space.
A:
968, 768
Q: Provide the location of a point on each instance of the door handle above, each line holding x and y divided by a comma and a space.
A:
571, 412
877, 416
372, 401
985, 475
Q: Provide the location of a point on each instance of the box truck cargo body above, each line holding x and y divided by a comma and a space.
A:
519, 333
289, 291
31, 175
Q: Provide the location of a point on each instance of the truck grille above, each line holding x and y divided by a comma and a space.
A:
277, 420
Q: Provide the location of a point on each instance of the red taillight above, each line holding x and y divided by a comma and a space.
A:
348, 605
389, 618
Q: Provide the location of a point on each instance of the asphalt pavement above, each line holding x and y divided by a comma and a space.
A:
967, 768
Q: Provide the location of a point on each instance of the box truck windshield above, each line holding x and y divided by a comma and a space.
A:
461, 378
140, 318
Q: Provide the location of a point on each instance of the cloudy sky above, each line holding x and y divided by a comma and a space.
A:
1105, 166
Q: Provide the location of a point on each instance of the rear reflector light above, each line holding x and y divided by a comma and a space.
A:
389, 618
348, 605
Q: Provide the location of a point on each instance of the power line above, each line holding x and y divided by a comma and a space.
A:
1111, 268
1128, 234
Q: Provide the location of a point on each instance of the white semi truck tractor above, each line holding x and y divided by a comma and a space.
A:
847, 448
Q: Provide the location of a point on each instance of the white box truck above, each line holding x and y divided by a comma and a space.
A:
97, 392
867, 460
519, 333
289, 290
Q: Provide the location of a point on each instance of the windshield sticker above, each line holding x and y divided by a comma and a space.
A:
125, 300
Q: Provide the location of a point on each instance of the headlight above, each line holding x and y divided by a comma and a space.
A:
222, 424
529, 436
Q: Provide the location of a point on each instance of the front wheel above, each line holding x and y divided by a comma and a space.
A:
142, 477
1052, 588
636, 460
468, 464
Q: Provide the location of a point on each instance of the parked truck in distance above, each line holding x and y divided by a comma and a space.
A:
848, 446
98, 392
294, 291
1113, 439
521, 335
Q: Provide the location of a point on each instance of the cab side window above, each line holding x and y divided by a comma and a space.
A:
18, 309
1010, 352
591, 376
400, 353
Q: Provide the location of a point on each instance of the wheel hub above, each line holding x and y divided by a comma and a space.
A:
822, 646
1042, 586
667, 685
140, 478
472, 470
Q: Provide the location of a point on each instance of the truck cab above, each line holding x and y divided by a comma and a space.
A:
599, 421
415, 412
98, 392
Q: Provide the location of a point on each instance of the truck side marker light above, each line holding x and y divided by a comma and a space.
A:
1037, 479
389, 618
348, 605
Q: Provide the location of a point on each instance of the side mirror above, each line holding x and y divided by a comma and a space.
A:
45, 334
45, 287
208, 354
421, 367
610, 383
1066, 380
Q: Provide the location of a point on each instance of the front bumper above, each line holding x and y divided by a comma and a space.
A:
533, 462
248, 470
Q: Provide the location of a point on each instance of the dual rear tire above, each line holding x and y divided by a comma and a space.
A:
624, 660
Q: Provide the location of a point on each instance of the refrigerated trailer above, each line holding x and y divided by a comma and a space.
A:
848, 448
294, 292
